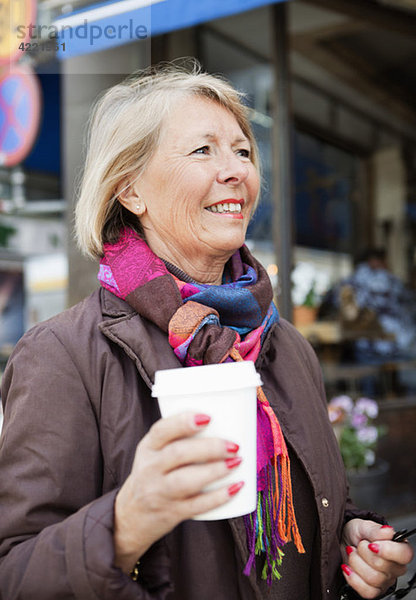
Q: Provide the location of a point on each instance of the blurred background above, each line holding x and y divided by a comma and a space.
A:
331, 88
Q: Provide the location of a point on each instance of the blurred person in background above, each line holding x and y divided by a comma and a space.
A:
378, 307
97, 492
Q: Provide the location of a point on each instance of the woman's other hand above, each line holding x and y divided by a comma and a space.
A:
170, 470
372, 562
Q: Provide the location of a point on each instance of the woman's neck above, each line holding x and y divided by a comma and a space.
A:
201, 271
204, 277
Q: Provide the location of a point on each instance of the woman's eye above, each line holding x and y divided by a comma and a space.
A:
202, 150
244, 152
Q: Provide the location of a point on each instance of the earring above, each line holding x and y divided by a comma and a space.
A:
137, 206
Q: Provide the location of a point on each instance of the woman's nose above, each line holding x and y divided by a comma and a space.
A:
232, 170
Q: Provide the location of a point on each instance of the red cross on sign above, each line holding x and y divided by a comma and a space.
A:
20, 102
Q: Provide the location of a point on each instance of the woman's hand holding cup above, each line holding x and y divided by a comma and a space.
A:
166, 485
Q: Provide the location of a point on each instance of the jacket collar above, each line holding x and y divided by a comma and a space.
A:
113, 306
141, 340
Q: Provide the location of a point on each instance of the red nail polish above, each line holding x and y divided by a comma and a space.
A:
386, 527
231, 447
349, 549
236, 487
231, 463
346, 570
201, 420
374, 548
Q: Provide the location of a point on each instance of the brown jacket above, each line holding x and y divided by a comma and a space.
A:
77, 401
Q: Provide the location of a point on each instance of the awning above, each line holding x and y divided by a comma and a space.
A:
102, 26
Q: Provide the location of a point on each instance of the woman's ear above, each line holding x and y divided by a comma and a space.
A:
128, 196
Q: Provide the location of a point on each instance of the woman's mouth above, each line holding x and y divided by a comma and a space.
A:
233, 208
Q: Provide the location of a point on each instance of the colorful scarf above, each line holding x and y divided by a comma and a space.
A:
209, 324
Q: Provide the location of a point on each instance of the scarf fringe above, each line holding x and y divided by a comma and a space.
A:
273, 523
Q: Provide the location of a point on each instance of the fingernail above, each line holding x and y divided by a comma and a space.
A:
201, 420
386, 527
231, 447
346, 570
233, 462
374, 548
236, 487
349, 549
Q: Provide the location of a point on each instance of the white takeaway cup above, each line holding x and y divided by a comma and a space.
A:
227, 393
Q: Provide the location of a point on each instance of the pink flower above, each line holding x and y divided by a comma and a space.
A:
367, 435
358, 420
367, 407
343, 402
356, 435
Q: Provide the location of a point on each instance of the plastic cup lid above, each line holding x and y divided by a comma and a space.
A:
207, 378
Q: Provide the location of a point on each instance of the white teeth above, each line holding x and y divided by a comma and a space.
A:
225, 207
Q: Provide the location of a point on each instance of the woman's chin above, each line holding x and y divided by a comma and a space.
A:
229, 246
227, 240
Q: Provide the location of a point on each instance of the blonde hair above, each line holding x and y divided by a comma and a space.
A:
123, 133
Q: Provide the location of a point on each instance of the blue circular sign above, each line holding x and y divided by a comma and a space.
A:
19, 113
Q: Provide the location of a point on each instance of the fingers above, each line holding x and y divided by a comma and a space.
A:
400, 553
173, 428
375, 561
362, 529
194, 450
374, 566
364, 588
182, 494
173, 464
172, 443
379, 532
383, 555
209, 500
188, 481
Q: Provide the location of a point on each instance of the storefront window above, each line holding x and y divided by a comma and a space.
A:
325, 180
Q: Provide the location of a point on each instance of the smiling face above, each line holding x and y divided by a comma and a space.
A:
198, 191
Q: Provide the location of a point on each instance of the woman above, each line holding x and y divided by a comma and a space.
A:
97, 493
